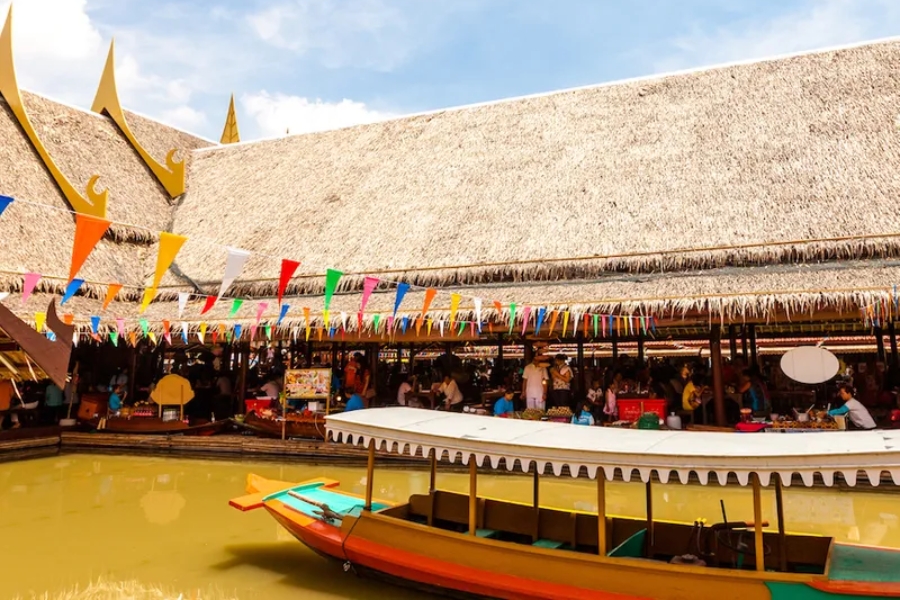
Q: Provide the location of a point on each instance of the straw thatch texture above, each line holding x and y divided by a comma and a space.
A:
794, 149
752, 293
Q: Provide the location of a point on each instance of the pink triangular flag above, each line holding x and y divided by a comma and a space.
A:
120, 325
253, 329
260, 309
31, 281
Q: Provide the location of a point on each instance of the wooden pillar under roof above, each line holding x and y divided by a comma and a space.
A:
309, 354
753, 349
640, 348
732, 342
614, 333
879, 343
715, 353
892, 332
744, 343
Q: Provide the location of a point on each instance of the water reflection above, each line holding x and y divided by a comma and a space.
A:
67, 520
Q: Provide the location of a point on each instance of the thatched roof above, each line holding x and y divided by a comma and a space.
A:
675, 172
82, 144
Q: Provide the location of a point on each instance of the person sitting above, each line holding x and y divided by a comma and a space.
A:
858, 414
354, 402
504, 405
453, 398
53, 402
582, 415
116, 398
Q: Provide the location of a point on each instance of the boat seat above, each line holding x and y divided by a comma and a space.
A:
633, 547
485, 533
551, 544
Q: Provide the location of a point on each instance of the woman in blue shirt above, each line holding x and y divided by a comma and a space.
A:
504, 405
354, 402
582, 415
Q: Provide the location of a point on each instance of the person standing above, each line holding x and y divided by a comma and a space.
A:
534, 384
453, 398
562, 382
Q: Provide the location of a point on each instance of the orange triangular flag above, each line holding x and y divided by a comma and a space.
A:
111, 292
68, 318
88, 232
430, 293
553, 317
132, 337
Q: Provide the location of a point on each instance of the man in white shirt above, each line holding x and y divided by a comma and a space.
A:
453, 398
403, 391
534, 384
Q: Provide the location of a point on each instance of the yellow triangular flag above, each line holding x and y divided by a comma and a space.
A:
39, 320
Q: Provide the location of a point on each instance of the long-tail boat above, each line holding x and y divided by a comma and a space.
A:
312, 427
154, 426
465, 545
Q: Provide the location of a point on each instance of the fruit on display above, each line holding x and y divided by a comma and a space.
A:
533, 414
559, 412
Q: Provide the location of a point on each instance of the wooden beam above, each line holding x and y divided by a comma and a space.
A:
878, 332
732, 342
648, 491
432, 478
744, 343
370, 472
473, 495
536, 503
640, 348
758, 525
601, 512
782, 539
753, 349
892, 332
579, 364
715, 351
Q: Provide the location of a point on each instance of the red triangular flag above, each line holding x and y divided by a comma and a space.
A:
88, 232
210, 302
288, 268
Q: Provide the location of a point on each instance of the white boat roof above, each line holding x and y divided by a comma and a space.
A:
407, 430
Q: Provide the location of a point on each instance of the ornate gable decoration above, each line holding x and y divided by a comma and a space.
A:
106, 102
94, 203
230, 134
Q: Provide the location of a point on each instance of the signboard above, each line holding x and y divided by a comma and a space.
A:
307, 384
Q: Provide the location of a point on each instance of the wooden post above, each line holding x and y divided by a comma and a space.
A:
399, 353
370, 471
753, 359
579, 364
640, 348
757, 523
244, 358
473, 495
601, 512
732, 342
715, 352
893, 340
615, 343
309, 353
432, 479
373, 371
779, 509
527, 350
879, 342
497, 375
536, 503
744, 342
648, 489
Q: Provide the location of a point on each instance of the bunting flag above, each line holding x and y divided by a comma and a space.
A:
343, 321
169, 246
221, 330
95, 325
288, 268
404, 324
234, 264
441, 326
603, 325
284, 311
477, 303
132, 338
462, 327
331, 280
71, 289
111, 291
88, 233
428, 325
4, 296
565, 324
369, 285
454, 307
584, 324
207, 306
114, 337
235, 306
596, 319
260, 309
153, 338
145, 327
253, 329
215, 336
31, 281
306, 318
498, 306
542, 312
430, 293
512, 316
326, 316
184, 332
237, 331
202, 333
390, 325
5, 201
376, 321
167, 332
359, 321
120, 326
526, 317
182, 302
39, 319
554, 315
419, 322
268, 330
402, 288
68, 319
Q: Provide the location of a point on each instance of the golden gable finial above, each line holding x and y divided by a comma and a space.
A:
95, 203
107, 102
231, 135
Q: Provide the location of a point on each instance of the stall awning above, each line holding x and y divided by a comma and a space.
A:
456, 436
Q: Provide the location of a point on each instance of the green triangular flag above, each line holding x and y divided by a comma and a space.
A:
596, 324
462, 326
375, 320
145, 327
512, 316
114, 336
269, 332
235, 306
331, 281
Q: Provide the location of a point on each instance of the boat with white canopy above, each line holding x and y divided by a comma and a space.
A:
464, 544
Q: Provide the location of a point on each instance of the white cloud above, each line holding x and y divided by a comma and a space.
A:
818, 24
276, 114
184, 117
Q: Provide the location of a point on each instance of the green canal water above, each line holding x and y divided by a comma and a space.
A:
69, 520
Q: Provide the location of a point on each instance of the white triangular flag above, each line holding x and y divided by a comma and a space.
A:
182, 302
234, 264
184, 332
477, 302
343, 321
441, 326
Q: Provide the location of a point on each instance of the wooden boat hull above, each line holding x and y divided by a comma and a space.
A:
148, 426
312, 429
458, 564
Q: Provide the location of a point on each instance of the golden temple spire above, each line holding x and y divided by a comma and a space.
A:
92, 202
172, 175
231, 135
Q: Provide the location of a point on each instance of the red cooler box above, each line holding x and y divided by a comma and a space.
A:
631, 409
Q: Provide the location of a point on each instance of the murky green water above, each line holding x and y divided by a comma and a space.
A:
67, 520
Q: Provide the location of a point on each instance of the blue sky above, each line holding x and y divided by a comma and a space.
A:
302, 65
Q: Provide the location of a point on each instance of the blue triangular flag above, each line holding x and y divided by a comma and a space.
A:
237, 331
71, 289
284, 311
95, 325
404, 324
402, 288
542, 312
51, 336
5, 201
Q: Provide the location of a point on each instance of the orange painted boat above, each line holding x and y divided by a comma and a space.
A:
463, 545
